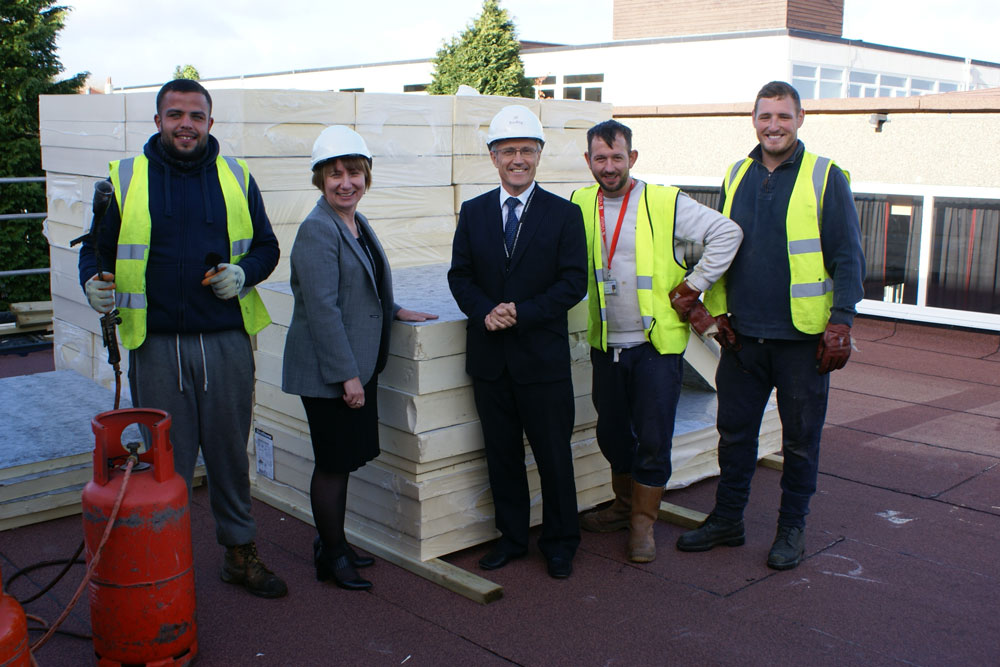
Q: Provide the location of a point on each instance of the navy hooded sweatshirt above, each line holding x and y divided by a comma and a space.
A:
189, 223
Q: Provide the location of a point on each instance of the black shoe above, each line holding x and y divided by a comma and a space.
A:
497, 558
356, 560
338, 567
560, 568
789, 545
713, 532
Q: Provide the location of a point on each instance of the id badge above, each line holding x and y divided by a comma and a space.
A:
610, 287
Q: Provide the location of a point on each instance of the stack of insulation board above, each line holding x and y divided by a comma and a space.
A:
429, 156
80, 134
427, 494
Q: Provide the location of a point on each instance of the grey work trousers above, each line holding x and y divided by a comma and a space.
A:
205, 382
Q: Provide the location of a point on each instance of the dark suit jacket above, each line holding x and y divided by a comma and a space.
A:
546, 276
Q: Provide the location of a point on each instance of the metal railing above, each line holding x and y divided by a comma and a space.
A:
23, 216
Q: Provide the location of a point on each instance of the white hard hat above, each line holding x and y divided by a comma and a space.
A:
514, 122
338, 141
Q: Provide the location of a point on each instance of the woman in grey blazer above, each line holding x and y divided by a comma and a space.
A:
338, 340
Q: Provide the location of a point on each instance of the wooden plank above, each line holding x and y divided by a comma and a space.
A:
444, 574
773, 461
8, 328
435, 570
681, 516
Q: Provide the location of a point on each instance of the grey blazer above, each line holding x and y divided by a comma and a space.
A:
340, 327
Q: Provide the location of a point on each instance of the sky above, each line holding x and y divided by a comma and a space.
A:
140, 42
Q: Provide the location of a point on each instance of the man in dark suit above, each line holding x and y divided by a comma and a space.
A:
518, 265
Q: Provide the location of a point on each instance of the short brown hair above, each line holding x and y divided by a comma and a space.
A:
777, 90
350, 162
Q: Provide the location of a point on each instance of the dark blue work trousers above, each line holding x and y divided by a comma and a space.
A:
744, 381
636, 401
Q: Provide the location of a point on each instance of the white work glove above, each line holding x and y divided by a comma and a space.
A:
101, 293
226, 281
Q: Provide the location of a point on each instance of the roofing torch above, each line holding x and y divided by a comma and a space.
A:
103, 193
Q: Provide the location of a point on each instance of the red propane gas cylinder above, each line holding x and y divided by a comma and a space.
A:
14, 650
142, 592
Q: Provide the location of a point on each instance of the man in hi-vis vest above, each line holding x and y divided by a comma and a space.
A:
181, 246
641, 296
790, 296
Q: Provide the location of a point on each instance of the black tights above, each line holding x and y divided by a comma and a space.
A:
328, 496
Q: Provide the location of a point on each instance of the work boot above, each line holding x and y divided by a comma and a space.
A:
616, 515
714, 531
645, 510
789, 545
243, 567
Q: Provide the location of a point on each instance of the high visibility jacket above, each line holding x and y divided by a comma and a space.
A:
811, 289
657, 269
130, 178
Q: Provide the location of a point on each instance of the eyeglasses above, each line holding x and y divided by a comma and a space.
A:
528, 152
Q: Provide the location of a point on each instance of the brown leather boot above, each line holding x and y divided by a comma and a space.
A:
243, 567
616, 515
645, 509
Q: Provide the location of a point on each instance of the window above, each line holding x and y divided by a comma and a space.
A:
892, 86
921, 86
415, 87
862, 84
890, 236
583, 78
804, 81
831, 82
947, 87
573, 91
817, 82
964, 268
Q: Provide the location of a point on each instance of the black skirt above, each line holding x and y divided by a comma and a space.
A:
343, 438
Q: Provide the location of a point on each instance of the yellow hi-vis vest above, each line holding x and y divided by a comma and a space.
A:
811, 290
130, 178
657, 270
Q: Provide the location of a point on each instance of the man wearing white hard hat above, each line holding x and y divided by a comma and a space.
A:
518, 265
188, 329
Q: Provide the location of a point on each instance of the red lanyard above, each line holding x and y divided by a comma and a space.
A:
618, 227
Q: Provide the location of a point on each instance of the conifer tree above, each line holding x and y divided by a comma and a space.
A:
486, 56
187, 72
29, 64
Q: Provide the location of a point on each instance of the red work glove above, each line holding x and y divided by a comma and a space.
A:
684, 299
726, 337
834, 348
699, 319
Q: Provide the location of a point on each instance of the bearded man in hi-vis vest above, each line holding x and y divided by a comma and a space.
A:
790, 296
182, 244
